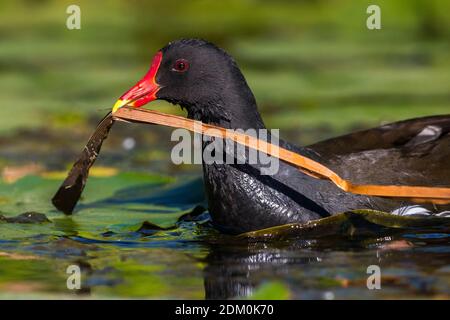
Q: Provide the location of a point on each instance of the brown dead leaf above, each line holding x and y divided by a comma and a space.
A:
17, 256
11, 174
397, 245
21, 287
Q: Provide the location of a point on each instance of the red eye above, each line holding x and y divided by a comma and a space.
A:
180, 65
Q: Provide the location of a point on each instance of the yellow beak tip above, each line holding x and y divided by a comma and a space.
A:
119, 104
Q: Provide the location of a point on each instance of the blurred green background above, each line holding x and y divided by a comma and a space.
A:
311, 64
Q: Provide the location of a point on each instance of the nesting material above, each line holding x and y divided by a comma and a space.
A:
70, 190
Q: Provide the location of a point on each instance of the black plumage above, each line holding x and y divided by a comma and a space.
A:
213, 90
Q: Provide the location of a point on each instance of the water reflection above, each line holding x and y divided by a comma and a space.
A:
122, 255
196, 261
331, 268
235, 271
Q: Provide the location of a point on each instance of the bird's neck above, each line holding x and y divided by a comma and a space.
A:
234, 107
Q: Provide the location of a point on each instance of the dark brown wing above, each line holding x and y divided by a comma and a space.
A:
410, 152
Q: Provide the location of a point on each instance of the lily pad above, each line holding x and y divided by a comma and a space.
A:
120, 203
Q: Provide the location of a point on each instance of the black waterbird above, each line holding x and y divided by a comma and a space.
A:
207, 82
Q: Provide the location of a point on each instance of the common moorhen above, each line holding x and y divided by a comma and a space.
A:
207, 82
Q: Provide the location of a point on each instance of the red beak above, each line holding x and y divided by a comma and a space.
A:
144, 91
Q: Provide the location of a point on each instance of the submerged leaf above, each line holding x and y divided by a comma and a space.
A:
27, 217
354, 223
150, 228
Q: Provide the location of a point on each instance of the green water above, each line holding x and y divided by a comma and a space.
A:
316, 72
122, 256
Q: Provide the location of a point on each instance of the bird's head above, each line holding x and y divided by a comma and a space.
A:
201, 78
